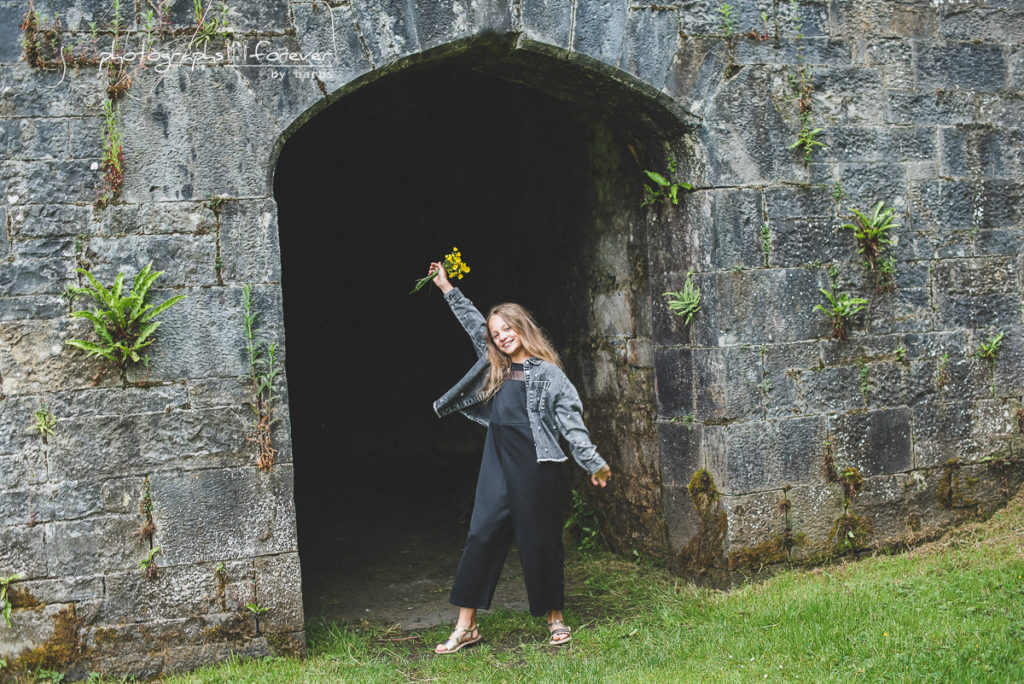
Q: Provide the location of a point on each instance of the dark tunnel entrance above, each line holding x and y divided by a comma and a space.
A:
369, 191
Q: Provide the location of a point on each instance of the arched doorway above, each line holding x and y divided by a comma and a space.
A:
528, 164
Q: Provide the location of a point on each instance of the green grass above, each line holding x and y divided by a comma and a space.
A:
952, 611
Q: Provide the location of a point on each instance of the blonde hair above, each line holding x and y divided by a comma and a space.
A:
533, 339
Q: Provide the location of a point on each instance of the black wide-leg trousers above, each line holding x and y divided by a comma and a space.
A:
516, 498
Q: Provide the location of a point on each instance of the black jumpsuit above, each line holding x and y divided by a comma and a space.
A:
516, 497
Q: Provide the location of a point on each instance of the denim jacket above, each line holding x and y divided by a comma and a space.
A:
552, 402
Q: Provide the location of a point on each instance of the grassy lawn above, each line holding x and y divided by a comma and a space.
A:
952, 611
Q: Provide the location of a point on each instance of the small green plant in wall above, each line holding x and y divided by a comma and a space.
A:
263, 372
45, 422
685, 303
5, 604
987, 351
123, 322
873, 240
841, 310
663, 189
148, 564
727, 16
256, 609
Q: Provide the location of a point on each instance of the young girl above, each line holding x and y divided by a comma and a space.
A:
518, 390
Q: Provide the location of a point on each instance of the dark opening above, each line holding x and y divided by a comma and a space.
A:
369, 191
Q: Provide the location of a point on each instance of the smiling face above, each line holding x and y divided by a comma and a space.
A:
506, 339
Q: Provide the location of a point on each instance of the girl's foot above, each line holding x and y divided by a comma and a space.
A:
460, 636
560, 633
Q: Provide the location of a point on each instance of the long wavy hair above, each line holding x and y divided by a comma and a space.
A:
534, 341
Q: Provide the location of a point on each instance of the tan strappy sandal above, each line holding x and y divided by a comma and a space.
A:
557, 628
460, 636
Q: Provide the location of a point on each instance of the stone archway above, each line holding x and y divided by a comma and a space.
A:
530, 162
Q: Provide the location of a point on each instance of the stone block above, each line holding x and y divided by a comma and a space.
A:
547, 21
781, 385
613, 313
998, 204
960, 430
210, 114
26, 276
988, 151
279, 590
874, 442
759, 455
735, 238
677, 246
183, 260
798, 202
34, 356
177, 592
680, 451
939, 107
600, 28
28, 467
996, 242
11, 14
1008, 372
649, 44
56, 181
815, 51
726, 383
976, 67
681, 519
899, 311
110, 401
63, 589
249, 244
23, 550
219, 392
28, 92
34, 139
86, 135
30, 627
1016, 81
875, 182
78, 499
29, 505
753, 519
140, 443
94, 545
673, 381
321, 27
809, 243
227, 513
896, 55
388, 29
759, 307
47, 220
812, 514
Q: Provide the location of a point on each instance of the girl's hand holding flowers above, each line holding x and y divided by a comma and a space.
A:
452, 266
601, 477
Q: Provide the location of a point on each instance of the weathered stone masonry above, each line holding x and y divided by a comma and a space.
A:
746, 439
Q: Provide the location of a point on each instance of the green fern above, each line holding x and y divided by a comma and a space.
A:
123, 322
686, 302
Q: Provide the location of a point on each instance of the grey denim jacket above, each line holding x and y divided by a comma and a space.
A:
552, 403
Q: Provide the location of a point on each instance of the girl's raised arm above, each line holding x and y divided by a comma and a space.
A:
469, 317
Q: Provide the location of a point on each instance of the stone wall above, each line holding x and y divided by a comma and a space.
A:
757, 439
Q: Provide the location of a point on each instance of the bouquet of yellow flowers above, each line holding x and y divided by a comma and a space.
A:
453, 265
